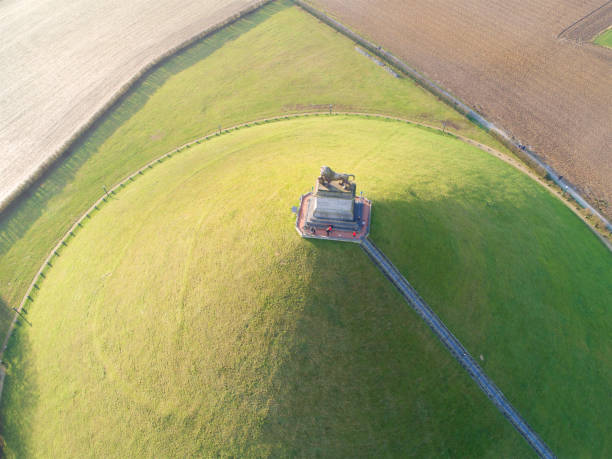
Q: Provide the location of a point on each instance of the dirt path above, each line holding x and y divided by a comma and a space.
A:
587, 27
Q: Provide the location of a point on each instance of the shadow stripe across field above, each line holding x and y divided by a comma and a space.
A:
455, 348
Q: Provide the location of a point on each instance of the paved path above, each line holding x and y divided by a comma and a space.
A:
455, 348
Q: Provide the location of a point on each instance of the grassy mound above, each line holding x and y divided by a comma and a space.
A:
279, 60
187, 317
190, 310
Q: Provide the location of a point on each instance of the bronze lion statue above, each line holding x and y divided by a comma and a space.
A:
328, 175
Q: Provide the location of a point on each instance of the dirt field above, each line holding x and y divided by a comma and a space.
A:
587, 27
506, 60
62, 61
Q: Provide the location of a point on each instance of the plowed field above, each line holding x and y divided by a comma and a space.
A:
62, 61
506, 60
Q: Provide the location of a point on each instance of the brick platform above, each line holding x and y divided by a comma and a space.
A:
335, 235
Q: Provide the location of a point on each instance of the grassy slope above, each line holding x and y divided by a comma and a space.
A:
604, 39
517, 278
189, 310
279, 60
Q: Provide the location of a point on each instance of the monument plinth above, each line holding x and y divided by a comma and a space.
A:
332, 209
334, 200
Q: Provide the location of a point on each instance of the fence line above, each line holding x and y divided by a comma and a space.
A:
521, 150
111, 191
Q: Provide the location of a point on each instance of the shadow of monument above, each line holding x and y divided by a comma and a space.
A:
359, 348
20, 215
357, 375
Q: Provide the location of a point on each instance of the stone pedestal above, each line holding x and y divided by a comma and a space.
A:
334, 204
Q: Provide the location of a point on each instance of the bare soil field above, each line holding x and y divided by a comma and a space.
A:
63, 61
587, 27
508, 61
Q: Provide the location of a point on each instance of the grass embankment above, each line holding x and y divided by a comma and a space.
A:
604, 39
188, 308
188, 318
279, 60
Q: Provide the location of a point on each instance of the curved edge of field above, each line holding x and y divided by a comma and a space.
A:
604, 38
141, 171
261, 48
545, 163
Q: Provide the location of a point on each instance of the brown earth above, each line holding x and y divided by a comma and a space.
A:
589, 26
60, 62
506, 60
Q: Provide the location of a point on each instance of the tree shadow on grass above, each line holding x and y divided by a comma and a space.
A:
19, 216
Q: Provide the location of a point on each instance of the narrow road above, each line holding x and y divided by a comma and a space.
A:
455, 348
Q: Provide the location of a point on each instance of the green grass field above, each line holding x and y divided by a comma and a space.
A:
189, 309
604, 39
279, 60
203, 323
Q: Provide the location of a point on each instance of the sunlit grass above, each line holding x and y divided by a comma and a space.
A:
188, 318
604, 38
279, 60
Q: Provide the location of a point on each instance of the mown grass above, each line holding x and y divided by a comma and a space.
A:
187, 317
604, 39
189, 308
279, 60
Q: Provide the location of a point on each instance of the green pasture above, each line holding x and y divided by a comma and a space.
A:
604, 38
280, 60
188, 318
189, 309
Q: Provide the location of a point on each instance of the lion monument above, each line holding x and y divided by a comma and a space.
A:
328, 175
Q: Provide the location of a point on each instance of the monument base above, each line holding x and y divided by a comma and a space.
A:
310, 226
334, 218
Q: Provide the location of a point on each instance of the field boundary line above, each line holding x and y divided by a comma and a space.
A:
149, 165
525, 153
454, 346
